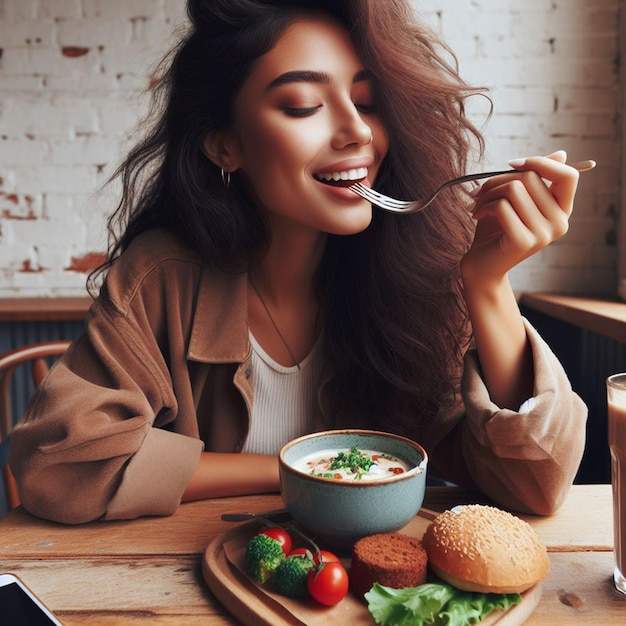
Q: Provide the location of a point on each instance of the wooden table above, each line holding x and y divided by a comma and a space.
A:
149, 570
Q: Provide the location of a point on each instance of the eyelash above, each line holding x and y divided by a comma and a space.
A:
300, 112
367, 109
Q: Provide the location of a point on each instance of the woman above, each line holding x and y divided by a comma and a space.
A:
252, 297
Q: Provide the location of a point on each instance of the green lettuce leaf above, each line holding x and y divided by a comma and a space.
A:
433, 603
471, 608
411, 606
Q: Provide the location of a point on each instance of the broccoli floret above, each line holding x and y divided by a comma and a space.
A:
290, 576
263, 556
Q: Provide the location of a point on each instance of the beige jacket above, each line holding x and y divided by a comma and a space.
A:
163, 372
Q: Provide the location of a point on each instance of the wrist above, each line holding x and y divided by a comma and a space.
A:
483, 285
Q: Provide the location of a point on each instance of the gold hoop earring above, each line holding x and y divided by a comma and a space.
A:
226, 176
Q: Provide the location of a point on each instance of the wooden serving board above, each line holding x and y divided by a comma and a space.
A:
224, 572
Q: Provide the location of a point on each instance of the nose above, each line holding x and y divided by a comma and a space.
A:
351, 129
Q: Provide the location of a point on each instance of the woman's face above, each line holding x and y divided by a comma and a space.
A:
305, 115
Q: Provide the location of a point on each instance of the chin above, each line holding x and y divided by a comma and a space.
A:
353, 223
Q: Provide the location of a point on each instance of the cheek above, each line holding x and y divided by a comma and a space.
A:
277, 144
381, 139
273, 161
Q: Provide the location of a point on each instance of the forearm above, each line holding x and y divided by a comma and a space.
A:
501, 342
517, 215
219, 475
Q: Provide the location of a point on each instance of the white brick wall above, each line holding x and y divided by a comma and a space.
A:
72, 71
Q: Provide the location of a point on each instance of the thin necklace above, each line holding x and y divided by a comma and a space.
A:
274, 324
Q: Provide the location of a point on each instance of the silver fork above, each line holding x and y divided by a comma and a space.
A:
414, 206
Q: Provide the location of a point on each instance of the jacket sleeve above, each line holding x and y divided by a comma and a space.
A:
524, 460
100, 438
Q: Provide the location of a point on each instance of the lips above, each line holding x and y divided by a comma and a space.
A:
343, 178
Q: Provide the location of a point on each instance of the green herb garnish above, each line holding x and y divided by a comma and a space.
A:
355, 461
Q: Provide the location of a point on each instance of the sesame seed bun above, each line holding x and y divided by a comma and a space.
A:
482, 548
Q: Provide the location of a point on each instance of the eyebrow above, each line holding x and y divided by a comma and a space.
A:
310, 76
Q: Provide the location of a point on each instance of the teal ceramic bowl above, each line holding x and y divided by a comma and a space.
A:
339, 512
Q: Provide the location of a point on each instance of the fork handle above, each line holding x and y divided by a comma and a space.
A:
581, 166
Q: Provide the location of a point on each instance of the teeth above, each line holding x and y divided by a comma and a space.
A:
355, 174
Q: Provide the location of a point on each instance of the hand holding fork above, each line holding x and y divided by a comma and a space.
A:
392, 205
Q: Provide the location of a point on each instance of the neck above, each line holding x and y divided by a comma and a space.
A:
288, 269
283, 307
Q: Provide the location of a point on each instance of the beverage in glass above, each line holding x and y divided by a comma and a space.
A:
616, 397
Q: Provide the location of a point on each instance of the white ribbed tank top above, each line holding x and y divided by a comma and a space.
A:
283, 400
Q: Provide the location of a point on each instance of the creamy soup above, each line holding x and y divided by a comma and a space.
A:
351, 464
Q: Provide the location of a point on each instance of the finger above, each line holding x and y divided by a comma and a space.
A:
535, 207
560, 156
529, 193
502, 233
559, 190
507, 237
499, 217
563, 178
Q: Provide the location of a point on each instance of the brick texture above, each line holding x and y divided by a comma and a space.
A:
72, 74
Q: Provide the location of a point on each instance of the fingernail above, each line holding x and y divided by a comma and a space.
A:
474, 191
517, 162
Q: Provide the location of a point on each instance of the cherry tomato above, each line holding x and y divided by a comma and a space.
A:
327, 557
329, 583
281, 535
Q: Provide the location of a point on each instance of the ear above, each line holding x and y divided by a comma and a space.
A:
221, 149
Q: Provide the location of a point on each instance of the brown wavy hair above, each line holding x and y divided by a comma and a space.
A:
396, 325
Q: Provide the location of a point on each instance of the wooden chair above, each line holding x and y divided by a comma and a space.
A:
38, 356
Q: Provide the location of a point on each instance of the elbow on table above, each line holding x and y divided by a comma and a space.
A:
535, 496
541, 507
51, 496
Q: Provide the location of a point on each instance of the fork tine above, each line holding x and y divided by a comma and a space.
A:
365, 193
377, 198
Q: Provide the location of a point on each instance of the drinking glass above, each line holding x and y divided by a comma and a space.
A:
616, 399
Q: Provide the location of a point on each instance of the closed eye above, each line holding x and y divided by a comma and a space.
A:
368, 109
300, 111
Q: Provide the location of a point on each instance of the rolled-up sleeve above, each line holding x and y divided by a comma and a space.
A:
156, 476
527, 459
112, 431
